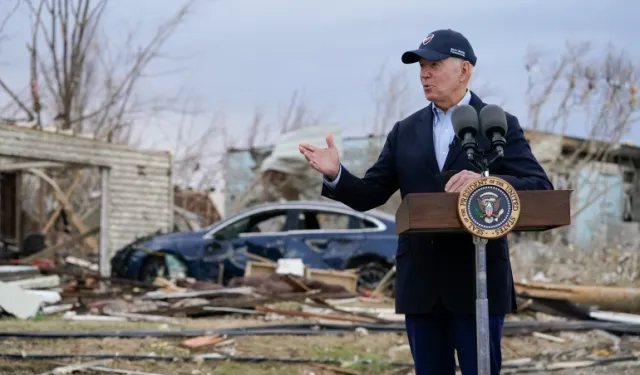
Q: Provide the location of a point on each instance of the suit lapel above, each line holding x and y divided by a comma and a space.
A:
454, 151
426, 129
456, 147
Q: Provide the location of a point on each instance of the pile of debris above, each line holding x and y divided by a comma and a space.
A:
576, 336
78, 291
613, 263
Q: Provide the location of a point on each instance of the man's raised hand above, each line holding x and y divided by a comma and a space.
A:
324, 160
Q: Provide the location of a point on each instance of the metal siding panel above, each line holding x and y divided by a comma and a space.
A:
139, 203
28, 143
599, 199
124, 200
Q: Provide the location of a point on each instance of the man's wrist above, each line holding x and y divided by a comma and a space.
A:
332, 177
332, 182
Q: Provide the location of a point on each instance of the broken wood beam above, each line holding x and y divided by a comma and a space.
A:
383, 283
32, 164
243, 290
611, 298
58, 210
77, 222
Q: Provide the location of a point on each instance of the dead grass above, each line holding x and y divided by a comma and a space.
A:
55, 322
379, 349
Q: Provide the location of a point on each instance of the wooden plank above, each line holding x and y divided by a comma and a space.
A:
348, 280
19, 196
259, 268
35, 164
202, 342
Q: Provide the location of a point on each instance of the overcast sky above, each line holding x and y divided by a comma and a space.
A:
239, 54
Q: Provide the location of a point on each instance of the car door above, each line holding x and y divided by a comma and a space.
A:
324, 238
261, 233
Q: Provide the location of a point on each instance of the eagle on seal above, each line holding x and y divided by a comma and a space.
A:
489, 206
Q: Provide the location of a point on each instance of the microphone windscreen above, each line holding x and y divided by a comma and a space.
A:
465, 119
493, 119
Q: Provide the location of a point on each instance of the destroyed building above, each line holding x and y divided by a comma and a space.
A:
134, 187
604, 178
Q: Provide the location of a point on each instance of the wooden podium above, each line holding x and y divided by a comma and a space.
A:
437, 212
491, 198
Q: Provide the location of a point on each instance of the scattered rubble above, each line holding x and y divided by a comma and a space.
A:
78, 290
616, 263
560, 326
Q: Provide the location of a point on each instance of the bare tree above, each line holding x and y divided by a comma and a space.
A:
82, 80
4, 20
77, 80
13, 8
391, 100
595, 90
485, 89
199, 151
296, 114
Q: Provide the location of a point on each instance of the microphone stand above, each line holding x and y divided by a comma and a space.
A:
479, 161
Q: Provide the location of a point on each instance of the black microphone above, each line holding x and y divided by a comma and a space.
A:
493, 122
466, 127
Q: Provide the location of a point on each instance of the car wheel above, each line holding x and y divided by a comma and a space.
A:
153, 267
370, 274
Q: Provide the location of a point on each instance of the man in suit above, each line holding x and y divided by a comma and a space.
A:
435, 273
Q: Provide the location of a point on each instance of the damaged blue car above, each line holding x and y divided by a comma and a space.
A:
324, 235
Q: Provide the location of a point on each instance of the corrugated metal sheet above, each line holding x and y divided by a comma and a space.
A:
140, 184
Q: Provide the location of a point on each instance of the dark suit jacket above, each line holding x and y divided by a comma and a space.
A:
439, 269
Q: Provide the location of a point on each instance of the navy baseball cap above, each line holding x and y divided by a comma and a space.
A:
439, 45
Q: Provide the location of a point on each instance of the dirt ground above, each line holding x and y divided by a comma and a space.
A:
379, 348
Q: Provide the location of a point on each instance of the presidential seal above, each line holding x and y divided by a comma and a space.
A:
489, 208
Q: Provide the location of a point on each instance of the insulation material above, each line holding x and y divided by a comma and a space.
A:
285, 173
293, 266
18, 302
286, 157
